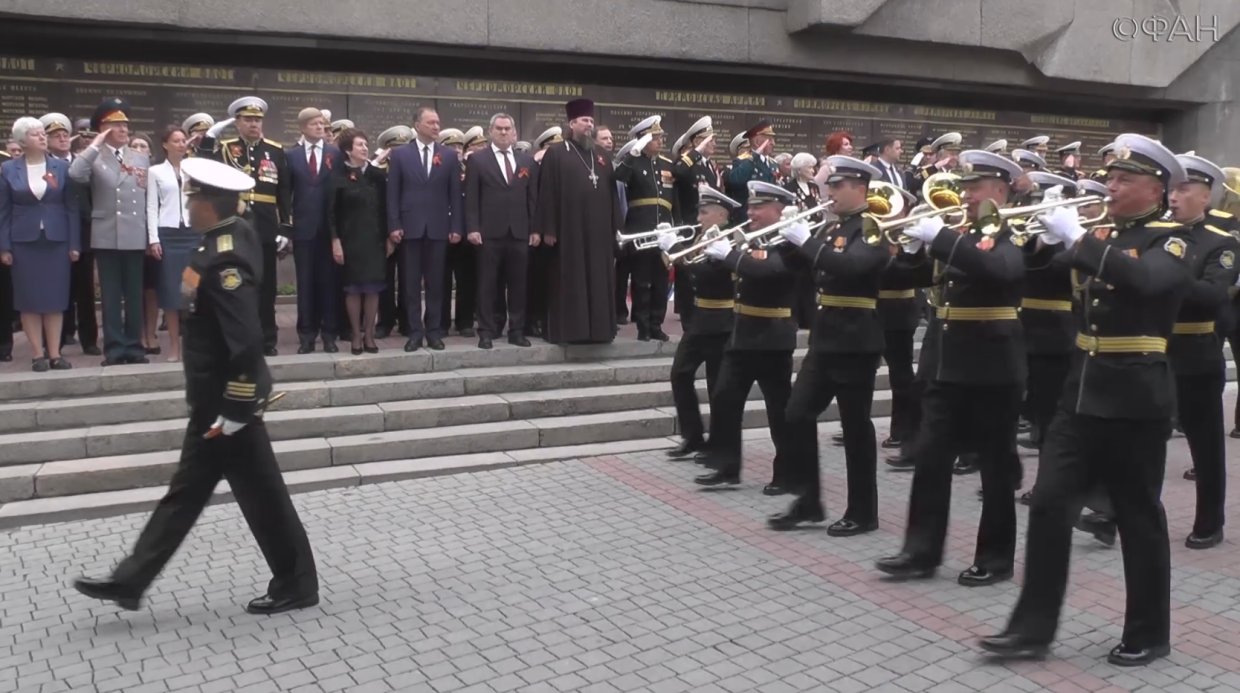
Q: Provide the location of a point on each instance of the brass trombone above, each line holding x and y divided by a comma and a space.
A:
693, 254
645, 240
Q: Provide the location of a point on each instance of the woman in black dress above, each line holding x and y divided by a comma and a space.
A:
356, 217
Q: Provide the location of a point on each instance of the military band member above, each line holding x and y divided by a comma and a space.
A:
1039, 145
997, 147
652, 200
1069, 161
944, 151
1029, 161
974, 363
1107, 152
1113, 428
693, 170
1196, 345
900, 310
923, 155
227, 386
760, 346
268, 209
391, 310
754, 164
706, 327
195, 128
845, 347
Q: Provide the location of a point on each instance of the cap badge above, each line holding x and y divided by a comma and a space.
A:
1122, 152
966, 167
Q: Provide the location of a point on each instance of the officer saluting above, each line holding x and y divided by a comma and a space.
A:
268, 203
195, 128
695, 169
227, 386
1112, 427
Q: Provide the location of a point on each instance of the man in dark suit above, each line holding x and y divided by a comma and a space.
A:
308, 184
424, 205
499, 203
888, 162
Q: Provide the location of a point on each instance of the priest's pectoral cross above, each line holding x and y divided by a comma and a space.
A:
594, 179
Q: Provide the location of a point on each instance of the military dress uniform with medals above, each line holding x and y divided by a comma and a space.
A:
1114, 417
227, 387
845, 346
748, 166
691, 172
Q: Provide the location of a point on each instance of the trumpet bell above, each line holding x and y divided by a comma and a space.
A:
943, 190
885, 200
1231, 191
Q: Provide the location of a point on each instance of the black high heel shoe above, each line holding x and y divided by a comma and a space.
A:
371, 348
356, 350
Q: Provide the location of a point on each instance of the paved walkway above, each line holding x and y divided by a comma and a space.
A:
605, 574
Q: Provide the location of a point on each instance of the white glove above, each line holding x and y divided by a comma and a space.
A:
790, 211
1062, 224
227, 426
668, 240
219, 127
925, 230
796, 234
718, 250
281, 243
641, 144
662, 225
912, 247
1053, 194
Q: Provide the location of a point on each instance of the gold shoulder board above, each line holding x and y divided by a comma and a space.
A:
744, 155
1215, 229
685, 158
1221, 214
224, 244
1162, 225
273, 143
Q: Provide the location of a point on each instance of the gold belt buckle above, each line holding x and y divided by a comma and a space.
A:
1091, 345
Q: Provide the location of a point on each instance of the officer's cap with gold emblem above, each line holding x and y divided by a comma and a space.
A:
950, 141
549, 137
393, 136
739, 142
649, 126
1028, 160
451, 136
1073, 148
976, 164
111, 110
248, 106
1140, 154
997, 147
1204, 171
475, 136
624, 151
1088, 186
209, 177
339, 126
761, 192
55, 122
1039, 141
710, 196
851, 168
761, 128
702, 128
1046, 181
521, 146
199, 122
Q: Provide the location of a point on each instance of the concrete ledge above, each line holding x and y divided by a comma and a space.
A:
451, 412
20, 416
335, 421
485, 381
41, 446
17, 483
118, 409
595, 428
532, 405
394, 388
453, 440
130, 438
142, 378
383, 363
302, 367
460, 356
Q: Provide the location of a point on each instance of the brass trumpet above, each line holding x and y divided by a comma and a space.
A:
693, 254
875, 229
759, 238
645, 240
1022, 220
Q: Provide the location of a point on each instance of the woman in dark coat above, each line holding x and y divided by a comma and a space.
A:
356, 210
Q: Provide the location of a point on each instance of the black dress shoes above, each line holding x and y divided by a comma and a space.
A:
306, 347
977, 576
777, 489
1013, 646
466, 332
1100, 526
686, 448
434, 343
91, 350
642, 336
1124, 655
267, 604
850, 528
659, 334
903, 566
1235, 433
892, 443
1190, 474
271, 351
137, 360
383, 332
718, 479
518, 340
795, 515
965, 464
902, 463
329, 346
108, 591
1204, 541
413, 345
484, 342
8, 356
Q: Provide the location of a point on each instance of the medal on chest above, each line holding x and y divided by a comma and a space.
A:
189, 287
267, 171
839, 245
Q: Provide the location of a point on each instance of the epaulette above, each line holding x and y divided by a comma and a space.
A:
230, 140
665, 158
685, 158
744, 155
1215, 229
1163, 225
1221, 214
224, 243
273, 143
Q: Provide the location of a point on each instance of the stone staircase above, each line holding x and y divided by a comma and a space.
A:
96, 442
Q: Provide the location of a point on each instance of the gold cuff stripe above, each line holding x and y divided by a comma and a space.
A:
906, 293
1206, 327
859, 302
975, 314
721, 304
1121, 345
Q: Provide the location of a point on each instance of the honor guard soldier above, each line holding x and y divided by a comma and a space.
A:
706, 327
1196, 345
1069, 160
195, 128
844, 349
1029, 161
760, 348
973, 361
997, 147
1039, 145
649, 188
754, 164
1107, 152
391, 313
227, 387
944, 151
267, 204
900, 312
1112, 426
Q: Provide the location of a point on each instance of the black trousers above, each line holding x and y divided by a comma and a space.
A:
318, 290
1234, 342
391, 306
246, 460
960, 418
1043, 386
1200, 402
80, 315
424, 263
682, 294
693, 351
462, 266
6, 311
1128, 458
267, 297
739, 370
816, 386
120, 283
898, 355
537, 283
624, 273
649, 290
502, 266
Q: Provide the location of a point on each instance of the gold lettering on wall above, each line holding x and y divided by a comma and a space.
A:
1067, 121
159, 71
518, 88
17, 64
340, 79
954, 113
835, 105
698, 98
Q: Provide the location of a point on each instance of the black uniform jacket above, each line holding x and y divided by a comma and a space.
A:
847, 272
763, 296
650, 192
1205, 319
1046, 310
264, 161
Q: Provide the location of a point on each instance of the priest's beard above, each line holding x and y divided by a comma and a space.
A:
585, 140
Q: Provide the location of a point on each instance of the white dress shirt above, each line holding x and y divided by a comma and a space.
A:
165, 201
503, 167
34, 175
316, 147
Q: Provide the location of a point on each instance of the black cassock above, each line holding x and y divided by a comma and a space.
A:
582, 215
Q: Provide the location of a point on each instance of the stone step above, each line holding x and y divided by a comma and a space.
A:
122, 472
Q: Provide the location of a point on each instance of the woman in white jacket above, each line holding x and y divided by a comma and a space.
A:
169, 237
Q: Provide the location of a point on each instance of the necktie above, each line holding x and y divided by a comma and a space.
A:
120, 156
314, 161
895, 176
507, 167
426, 158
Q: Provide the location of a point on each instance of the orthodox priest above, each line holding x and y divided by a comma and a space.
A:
578, 216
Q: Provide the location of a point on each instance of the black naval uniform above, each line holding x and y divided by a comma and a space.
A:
1111, 429
706, 334
652, 200
225, 375
691, 171
267, 208
758, 350
1196, 354
973, 365
845, 346
462, 264
1050, 330
900, 312
805, 304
